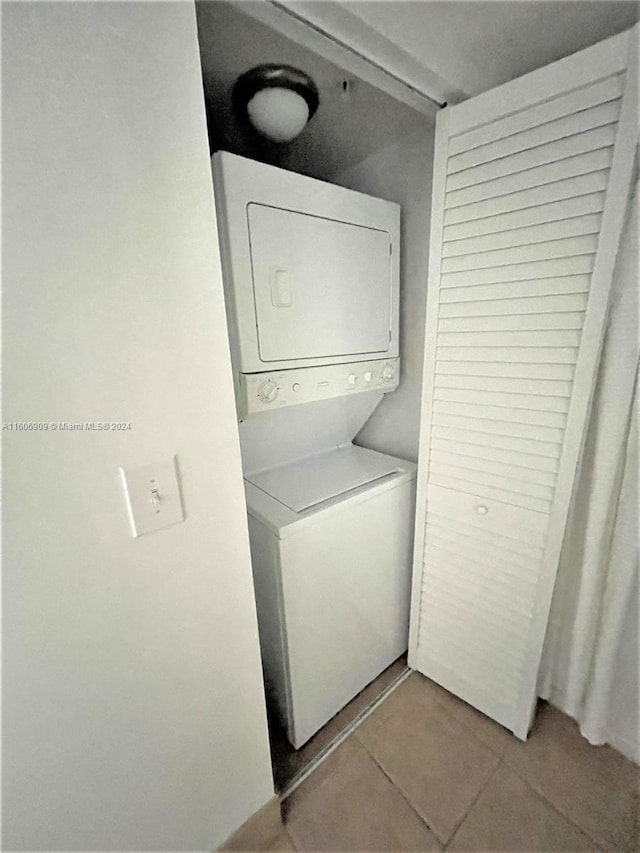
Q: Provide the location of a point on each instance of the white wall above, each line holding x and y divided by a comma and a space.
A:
133, 703
402, 173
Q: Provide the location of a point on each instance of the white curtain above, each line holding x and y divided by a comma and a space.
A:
599, 560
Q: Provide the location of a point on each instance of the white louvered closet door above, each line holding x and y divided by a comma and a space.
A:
530, 188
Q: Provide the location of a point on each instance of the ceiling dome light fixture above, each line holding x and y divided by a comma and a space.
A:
277, 100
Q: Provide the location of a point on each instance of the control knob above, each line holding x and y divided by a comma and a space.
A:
352, 379
388, 373
268, 391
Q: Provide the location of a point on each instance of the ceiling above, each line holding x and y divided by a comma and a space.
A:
468, 46
478, 45
347, 128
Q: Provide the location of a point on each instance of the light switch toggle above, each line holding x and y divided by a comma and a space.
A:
152, 495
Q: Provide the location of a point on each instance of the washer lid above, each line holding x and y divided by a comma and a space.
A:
312, 481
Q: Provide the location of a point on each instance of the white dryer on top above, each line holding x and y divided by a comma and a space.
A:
311, 279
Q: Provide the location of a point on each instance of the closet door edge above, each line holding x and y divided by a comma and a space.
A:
440, 155
617, 197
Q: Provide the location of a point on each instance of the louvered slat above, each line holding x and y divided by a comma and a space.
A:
597, 93
482, 480
502, 520
496, 429
523, 204
577, 265
485, 556
514, 322
500, 368
576, 226
512, 613
508, 496
483, 615
439, 637
549, 286
556, 338
537, 176
554, 248
548, 387
571, 146
468, 533
532, 355
473, 621
546, 214
507, 457
502, 548
496, 413
446, 643
548, 304
592, 182
560, 128
508, 400
476, 462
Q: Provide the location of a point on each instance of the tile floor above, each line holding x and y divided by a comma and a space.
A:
288, 762
425, 771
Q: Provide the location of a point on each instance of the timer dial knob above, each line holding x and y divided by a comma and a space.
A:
268, 391
352, 379
388, 373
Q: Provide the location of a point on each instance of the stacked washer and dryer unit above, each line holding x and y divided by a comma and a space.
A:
311, 276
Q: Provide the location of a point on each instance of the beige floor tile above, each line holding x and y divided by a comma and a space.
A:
349, 804
288, 762
436, 761
264, 831
633, 842
594, 786
271, 843
347, 715
492, 734
510, 815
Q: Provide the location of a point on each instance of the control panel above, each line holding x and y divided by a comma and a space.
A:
263, 392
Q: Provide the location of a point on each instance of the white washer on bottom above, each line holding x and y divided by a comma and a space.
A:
331, 547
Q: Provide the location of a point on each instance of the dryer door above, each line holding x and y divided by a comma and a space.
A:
322, 287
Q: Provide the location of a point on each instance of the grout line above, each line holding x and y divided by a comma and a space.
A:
404, 796
324, 753
290, 837
483, 787
469, 731
554, 807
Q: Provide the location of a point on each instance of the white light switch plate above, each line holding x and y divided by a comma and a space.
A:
153, 496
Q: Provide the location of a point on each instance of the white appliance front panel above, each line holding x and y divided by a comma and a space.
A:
344, 306
345, 588
275, 389
309, 482
322, 287
333, 603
